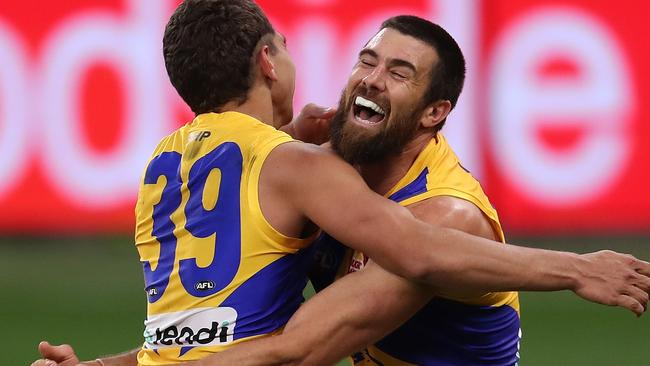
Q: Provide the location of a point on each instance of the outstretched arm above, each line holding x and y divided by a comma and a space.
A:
358, 309
329, 192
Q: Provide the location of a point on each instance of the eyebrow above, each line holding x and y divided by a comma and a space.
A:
391, 62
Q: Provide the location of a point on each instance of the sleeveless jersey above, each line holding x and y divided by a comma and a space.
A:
449, 330
216, 272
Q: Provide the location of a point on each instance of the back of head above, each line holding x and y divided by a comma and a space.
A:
448, 75
208, 48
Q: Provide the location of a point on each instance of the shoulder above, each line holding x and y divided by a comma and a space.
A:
296, 157
455, 213
296, 167
299, 150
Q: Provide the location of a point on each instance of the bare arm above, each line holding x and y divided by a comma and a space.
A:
314, 334
360, 308
323, 188
331, 326
383, 301
64, 355
365, 306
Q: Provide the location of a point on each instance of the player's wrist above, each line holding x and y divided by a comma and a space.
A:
549, 270
95, 362
567, 271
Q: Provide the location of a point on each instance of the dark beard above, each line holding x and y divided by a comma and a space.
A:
356, 146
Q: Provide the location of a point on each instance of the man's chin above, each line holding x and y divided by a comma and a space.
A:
358, 134
353, 145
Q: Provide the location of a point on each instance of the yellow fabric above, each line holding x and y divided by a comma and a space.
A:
446, 177
261, 244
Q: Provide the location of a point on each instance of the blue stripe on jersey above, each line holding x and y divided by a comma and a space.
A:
447, 333
417, 186
267, 300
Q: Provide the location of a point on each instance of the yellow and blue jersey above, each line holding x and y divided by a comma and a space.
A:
449, 330
216, 272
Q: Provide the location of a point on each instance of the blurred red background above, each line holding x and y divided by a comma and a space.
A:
551, 119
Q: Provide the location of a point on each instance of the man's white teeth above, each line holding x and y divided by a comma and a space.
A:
363, 102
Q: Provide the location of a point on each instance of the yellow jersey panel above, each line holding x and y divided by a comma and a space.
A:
449, 330
216, 272
437, 171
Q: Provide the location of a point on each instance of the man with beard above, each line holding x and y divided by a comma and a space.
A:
191, 314
406, 81
408, 78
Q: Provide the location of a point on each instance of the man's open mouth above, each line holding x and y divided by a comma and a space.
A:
367, 111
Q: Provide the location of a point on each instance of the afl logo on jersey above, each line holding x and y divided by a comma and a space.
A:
151, 291
204, 285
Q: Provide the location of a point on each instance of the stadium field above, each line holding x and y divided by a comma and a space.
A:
88, 292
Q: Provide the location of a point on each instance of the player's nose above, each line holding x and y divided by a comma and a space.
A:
375, 79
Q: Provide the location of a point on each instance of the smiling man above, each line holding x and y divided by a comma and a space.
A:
406, 81
228, 204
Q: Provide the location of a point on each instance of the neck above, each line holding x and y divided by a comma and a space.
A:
258, 105
382, 175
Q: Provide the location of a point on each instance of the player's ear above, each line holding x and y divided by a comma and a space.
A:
435, 113
267, 68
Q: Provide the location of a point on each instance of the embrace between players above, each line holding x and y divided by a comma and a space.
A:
230, 211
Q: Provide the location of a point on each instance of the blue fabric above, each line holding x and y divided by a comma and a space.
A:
328, 256
266, 301
447, 332
417, 186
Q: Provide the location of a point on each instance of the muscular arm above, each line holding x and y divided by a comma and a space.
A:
318, 185
318, 333
360, 308
382, 300
335, 323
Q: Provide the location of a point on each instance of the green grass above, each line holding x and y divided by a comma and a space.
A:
88, 292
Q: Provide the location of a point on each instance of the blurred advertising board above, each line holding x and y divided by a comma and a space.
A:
551, 119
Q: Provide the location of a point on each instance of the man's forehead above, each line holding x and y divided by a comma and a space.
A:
392, 43
376, 39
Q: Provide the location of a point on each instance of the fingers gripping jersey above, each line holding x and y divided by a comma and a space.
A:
449, 330
216, 272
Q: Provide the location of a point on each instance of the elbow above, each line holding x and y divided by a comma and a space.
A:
419, 270
433, 271
421, 273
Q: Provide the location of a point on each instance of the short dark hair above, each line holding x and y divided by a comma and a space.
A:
448, 76
208, 48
